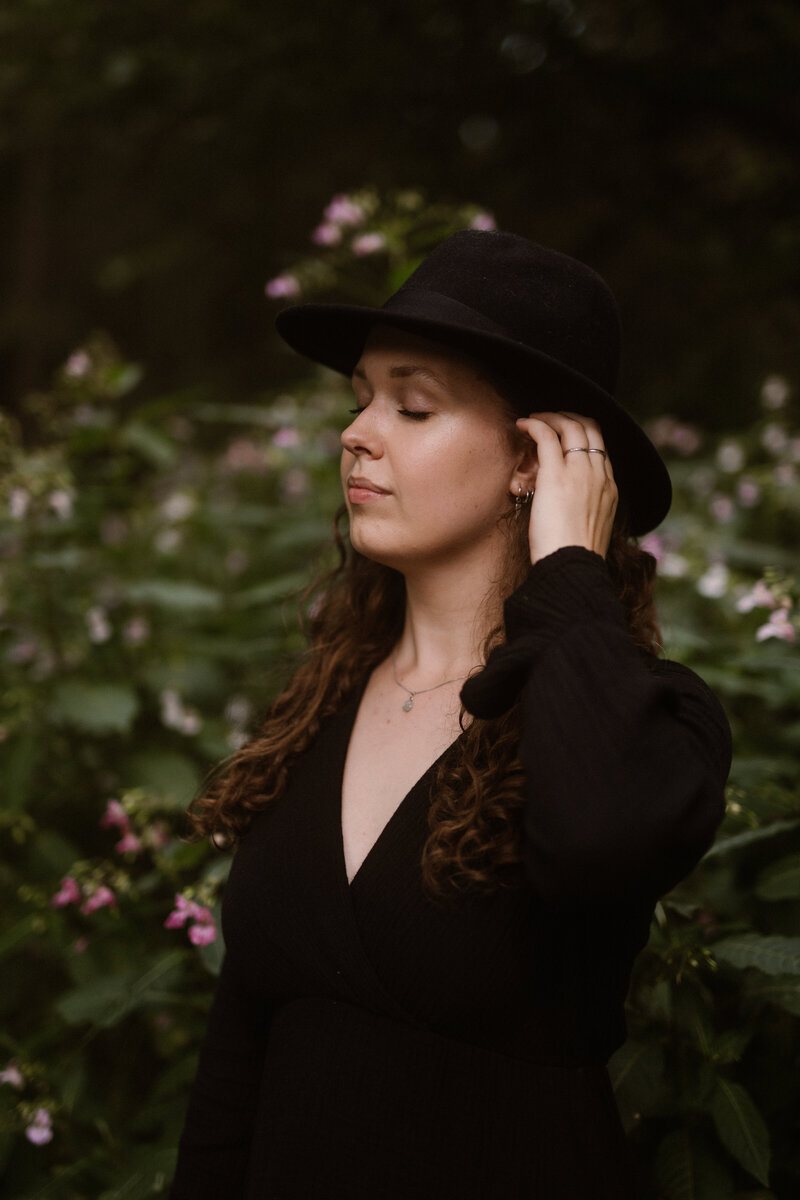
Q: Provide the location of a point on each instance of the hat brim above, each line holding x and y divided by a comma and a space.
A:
334, 335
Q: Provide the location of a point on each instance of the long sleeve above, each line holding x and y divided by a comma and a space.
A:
625, 755
215, 1147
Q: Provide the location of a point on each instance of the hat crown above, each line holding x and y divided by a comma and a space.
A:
537, 297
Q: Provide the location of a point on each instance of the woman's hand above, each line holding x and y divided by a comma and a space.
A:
576, 496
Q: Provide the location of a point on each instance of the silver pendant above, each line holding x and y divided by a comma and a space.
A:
409, 704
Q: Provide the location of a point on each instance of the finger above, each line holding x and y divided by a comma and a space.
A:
542, 430
593, 432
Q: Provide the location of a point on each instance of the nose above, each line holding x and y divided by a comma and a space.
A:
362, 437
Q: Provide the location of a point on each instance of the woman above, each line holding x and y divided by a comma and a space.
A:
433, 909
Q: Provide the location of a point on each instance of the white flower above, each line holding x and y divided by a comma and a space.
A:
178, 506
774, 437
673, 566
175, 715
483, 221
748, 492
730, 456
343, 211
77, 365
774, 392
714, 583
723, 508
367, 243
777, 626
167, 540
136, 631
12, 1075
18, 502
759, 596
98, 624
40, 1130
282, 287
61, 501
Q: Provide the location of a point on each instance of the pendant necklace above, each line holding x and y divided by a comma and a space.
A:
409, 703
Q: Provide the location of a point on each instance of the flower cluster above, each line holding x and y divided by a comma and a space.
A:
89, 896
775, 596
202, 927
36, 1119
360, 225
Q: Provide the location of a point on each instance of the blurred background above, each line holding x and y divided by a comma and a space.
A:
170, 178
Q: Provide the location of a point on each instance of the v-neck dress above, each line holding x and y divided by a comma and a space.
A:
370, 1042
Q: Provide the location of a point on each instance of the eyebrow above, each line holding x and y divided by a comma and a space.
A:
404, 371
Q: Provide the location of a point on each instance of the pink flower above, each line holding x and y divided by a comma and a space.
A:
748, 493
181, 912
344, 211
40, 1130
114, 815
244, 455
68, 893
102, 897
282, 287
368, 243
723, 508
12, 1075
759, 596
129, 843
326, 234
78, 364
202, 934
653, 544
483, 220
286, 438
778, 626
203, 929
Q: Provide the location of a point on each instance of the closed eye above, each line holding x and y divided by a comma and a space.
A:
415, 416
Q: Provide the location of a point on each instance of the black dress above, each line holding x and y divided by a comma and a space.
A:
367, 1041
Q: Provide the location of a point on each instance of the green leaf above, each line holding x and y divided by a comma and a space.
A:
783, 991
772, 955
106, 1001
182, 596
167, 774
274, 589
728, 845
146, 1181
153, 446
741, 1128
636, 1072
686, 1168
96, 708
18, 933
19, 759
780, 880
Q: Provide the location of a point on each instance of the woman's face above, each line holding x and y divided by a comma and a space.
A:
428, 459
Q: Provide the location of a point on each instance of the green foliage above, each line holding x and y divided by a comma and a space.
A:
154, 552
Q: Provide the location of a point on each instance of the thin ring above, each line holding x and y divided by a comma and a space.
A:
585, 450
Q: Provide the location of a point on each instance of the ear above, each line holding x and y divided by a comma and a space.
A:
526, 468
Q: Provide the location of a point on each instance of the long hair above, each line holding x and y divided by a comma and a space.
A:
357, 619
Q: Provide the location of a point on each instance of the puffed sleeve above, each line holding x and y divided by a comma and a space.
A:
626, 756
215, 1146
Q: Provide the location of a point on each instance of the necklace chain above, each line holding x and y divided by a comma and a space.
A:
409, 703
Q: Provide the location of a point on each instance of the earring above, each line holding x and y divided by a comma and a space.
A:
521, 501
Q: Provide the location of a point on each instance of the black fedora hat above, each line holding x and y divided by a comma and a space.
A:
544, 323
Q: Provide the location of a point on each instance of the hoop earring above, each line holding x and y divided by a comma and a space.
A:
520, 501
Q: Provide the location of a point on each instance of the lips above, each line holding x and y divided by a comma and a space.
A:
360, 490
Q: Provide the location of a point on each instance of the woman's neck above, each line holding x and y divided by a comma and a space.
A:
449, 612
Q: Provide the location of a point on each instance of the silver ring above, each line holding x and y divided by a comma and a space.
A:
584, 450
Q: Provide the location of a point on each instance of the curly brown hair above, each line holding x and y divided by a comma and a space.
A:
357, 619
